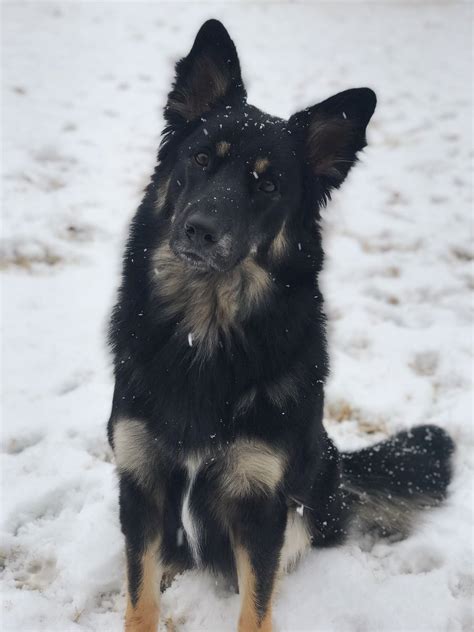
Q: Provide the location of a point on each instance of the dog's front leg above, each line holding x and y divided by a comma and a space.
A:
140, 520
258, 539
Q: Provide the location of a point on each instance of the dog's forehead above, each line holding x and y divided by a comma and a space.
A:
249, 135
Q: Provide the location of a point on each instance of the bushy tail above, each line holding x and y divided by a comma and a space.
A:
388, 482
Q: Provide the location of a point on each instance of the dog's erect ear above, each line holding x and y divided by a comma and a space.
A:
333, 132
208, 75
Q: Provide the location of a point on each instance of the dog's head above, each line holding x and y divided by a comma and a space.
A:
236, 177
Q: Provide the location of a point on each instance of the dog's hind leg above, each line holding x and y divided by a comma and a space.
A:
140, 519
258, 540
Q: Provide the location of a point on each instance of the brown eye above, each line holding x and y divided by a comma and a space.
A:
201, 158
268, 186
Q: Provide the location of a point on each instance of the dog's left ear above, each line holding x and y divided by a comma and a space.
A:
333, 131
208, 75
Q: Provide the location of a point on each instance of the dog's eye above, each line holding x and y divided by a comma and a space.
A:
268, 186
201, 158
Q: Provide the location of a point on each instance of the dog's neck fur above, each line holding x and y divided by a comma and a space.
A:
208, 304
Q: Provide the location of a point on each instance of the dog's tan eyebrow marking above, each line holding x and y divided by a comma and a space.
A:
222, 148
261, 164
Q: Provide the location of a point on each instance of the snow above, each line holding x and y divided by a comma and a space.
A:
84, 84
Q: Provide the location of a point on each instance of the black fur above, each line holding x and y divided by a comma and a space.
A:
257, 371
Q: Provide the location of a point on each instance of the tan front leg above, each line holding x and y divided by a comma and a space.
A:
252, 618
142, 614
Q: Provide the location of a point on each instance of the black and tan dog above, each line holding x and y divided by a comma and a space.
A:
220, 355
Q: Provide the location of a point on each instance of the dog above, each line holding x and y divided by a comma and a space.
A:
219, 346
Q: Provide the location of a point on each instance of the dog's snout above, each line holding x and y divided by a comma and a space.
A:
204, 239
201, 230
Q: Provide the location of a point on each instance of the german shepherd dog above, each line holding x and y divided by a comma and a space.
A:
219, 345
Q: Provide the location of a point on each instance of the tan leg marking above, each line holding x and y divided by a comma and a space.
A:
296, 543
144, 616
250, 620
252, 466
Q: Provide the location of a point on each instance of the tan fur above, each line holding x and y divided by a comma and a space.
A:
135, 449
261, 164
161, 195
251, 467
222, 148
258, 282
210, 303
207, 84
249, 621
144, 616
297, 541
279, 245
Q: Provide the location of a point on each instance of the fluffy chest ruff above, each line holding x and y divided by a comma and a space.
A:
208, 306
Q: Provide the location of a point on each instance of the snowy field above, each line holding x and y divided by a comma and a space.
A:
83, 88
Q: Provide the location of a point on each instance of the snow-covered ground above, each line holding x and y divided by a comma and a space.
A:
84, 84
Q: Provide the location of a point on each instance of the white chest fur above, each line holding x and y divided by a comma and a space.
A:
190, 522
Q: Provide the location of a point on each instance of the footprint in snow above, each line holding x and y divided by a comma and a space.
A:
35, 574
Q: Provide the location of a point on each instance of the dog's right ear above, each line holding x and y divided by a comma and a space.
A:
209, 75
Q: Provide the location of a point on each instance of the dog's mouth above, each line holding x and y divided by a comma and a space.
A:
195, 260
204, 264
202, 260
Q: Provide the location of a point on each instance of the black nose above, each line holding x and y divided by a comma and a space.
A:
201, 230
